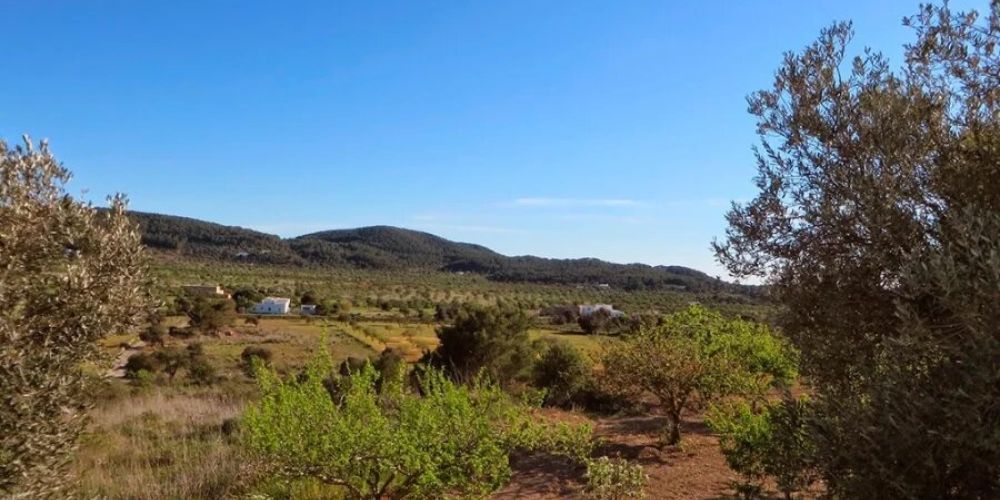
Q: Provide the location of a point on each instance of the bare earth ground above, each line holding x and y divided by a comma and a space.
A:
694, 470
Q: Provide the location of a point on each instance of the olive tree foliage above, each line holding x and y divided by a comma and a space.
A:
378, 438
69, 274
694, 358
877, 225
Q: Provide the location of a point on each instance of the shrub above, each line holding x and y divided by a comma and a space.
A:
595, 322
181, 333
200, 370
141, 362
562, 371
155, 333
791, 454
745, 437
390, 362
769, 441
615, 479
484, 339
250, 353
170, 360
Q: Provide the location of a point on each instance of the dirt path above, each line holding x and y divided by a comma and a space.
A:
694, 470
117, 369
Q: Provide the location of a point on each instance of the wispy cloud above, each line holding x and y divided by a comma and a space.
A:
574, 202
603, 218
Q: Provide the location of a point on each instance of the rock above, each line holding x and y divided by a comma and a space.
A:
650, 454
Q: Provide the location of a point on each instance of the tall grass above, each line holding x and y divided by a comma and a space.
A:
162, 445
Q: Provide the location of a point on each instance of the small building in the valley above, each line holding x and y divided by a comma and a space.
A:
205, 290
307, 309
273, 305
588, 309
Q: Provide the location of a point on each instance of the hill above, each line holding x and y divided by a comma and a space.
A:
393, 248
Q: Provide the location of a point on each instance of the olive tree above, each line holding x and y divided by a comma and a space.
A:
69, 274
876, 226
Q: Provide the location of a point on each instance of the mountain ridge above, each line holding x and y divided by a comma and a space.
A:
393, 248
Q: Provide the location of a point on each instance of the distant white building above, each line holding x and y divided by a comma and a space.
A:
588, 309
308, 309
272, 305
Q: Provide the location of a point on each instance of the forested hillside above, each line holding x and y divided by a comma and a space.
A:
392, 248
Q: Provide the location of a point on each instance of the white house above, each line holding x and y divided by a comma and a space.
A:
588, 309
272, 305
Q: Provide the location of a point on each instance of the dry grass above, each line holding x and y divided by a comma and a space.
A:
160, 445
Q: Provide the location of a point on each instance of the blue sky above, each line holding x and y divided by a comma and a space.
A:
561, 128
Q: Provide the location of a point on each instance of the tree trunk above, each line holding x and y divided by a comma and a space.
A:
672, 434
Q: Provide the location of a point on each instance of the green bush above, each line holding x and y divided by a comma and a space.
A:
563, 371
770, 441
487, 339
615, 479
250, 353
155, 333
745, 439
199, 369
141, 362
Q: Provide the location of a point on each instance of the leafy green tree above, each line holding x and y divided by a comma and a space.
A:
70, 274
380, 444
212, 315
484, 339
694, 358
876, 228
245, 298
309, 298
